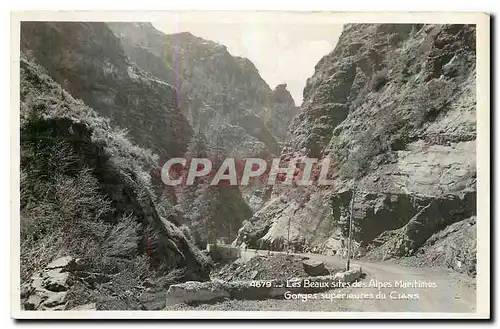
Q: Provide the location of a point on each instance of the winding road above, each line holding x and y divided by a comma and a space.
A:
450, 292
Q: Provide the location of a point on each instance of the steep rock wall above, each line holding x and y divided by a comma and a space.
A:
208, 77
86, 191
89, 62
393, 106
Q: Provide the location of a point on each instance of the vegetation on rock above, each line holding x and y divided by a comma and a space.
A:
86, 192
393, 106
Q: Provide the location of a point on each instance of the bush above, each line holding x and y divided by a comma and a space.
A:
427, 101
62, 207
123, 238
86, 190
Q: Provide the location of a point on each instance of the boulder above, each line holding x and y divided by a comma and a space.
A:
314, 268
64, 262
33, 302
25, 290
55, 299
55, 280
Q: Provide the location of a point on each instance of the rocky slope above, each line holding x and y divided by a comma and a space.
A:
86, 193
88, 61
394, 107
212, 212
214, 86
226, 100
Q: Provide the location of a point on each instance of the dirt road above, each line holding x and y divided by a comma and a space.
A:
452, 292
446, 291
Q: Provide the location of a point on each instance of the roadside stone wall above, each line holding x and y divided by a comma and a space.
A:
198, 292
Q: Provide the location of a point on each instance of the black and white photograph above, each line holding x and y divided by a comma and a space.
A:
220, 164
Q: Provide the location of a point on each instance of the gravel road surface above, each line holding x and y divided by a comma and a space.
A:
440, 291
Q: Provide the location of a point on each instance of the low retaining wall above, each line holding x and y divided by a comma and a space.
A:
198, 292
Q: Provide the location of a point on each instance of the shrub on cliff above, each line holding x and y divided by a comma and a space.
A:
86, 191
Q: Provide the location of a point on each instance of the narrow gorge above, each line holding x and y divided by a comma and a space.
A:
105, 105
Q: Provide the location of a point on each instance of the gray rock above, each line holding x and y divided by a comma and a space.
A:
33, 302
407, 140
63, 262
440, 212
55, 298
25, 290
60, 307
209, 73
348, 276
314, 268
37, 282
55, 280
48, 289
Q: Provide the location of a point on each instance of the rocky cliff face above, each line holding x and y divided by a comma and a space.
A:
394, 107
89, 62
210, 81
226, 100
86, 193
